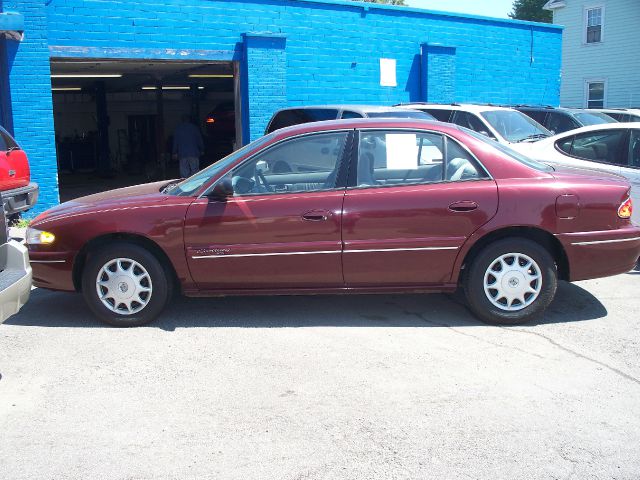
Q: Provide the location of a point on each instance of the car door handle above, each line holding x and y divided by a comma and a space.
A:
463, 206
316, 215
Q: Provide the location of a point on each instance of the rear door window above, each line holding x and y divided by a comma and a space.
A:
350, 114
538, 115
440, 114
389, 158
634, 149
472, 122
560, 122
602, 146
296, 116
6, 141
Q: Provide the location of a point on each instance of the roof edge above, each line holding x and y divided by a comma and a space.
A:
554, 4
397, 8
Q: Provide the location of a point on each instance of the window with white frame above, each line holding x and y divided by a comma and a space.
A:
593, 24
595, 94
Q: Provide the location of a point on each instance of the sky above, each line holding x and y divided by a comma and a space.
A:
488, 8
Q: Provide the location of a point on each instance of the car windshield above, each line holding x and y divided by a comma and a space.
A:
593, 118
515, 126
529, 162
401, 114
191, 185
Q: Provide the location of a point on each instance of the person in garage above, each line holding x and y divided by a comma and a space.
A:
188, 146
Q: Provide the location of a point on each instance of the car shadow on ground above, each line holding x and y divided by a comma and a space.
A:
55, 309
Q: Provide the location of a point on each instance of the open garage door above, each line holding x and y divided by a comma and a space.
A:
115, 119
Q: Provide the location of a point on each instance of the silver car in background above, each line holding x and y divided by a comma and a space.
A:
612, 147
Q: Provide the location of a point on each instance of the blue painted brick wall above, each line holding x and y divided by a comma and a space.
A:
27, 64
265, 81
331, 53
438, 73
332, 48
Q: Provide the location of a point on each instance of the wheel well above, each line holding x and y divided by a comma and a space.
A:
95, 243
541, 237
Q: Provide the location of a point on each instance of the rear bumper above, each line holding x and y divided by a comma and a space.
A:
15, 279
20, 199
601, 254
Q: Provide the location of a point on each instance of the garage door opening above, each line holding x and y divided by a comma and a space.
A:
114, 119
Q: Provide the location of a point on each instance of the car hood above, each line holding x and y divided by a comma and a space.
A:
111, 200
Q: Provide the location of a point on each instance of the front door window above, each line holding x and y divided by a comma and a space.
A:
303, 164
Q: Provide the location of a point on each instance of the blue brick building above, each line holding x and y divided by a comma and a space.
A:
270, 53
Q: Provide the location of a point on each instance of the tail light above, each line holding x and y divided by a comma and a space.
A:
625, 209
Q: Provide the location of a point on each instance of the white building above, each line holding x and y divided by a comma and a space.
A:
600, 52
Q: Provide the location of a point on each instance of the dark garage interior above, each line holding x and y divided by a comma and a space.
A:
114, 119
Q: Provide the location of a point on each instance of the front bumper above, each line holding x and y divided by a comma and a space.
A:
20, 199
15, 279
52, 270
601, 254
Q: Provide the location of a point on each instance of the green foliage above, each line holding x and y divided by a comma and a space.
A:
531, 10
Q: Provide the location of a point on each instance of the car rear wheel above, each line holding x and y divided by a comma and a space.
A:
125, 285
511, 281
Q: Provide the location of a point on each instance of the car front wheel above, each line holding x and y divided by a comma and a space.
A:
511, 281
125, 285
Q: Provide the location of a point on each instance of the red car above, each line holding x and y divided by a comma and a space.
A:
365, 206
18, 193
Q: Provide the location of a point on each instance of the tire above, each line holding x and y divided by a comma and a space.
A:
134, 285
524, 293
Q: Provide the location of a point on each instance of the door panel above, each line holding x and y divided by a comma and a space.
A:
409, 235
413, 209
280, 227
264, 242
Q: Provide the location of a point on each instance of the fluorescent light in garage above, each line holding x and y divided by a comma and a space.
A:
92, 75
169, 87
66, 89
202, 75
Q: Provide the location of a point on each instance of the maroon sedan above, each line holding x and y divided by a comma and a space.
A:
364, 206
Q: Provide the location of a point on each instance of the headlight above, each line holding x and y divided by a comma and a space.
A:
39, 237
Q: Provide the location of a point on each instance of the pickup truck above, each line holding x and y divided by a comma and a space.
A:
15, 273
18, 192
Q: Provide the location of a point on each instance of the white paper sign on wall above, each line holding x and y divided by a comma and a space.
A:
388, 72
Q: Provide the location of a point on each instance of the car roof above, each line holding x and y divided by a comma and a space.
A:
355, 108
634, 111
592, 128
378, 122
466, 107
563, 109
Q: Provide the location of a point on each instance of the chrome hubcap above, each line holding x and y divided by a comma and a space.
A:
512, 281
124, 286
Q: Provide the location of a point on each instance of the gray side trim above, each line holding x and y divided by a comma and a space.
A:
597, 242
273, 254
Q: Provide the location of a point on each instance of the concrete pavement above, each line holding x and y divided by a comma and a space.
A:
352, 387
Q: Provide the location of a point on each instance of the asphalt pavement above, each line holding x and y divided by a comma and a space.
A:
324, 387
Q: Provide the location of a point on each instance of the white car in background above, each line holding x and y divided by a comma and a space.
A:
505, 125
612, 147
622, 114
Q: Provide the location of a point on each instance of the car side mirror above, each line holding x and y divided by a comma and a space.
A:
222, 190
